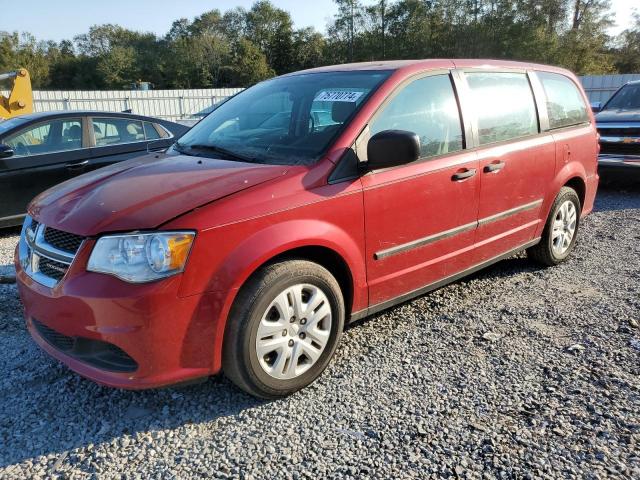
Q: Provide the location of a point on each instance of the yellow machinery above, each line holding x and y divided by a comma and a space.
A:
20, 99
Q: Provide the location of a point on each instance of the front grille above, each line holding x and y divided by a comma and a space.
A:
67, 242
52, 269
47, 253
99, 354
619, 132
620, 148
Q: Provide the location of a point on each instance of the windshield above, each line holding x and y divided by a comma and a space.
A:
627, 98
287, 120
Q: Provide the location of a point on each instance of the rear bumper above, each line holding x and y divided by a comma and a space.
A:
169, 339
617, 162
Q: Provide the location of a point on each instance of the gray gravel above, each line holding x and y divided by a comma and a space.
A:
516, 372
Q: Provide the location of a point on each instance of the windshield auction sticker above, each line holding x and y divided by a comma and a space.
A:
337, 96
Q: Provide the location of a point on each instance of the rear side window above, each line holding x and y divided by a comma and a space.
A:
427, 107
113, 131
565, 105
150, 131
503, 104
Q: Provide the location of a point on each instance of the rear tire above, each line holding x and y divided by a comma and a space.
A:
283, 328
561, 230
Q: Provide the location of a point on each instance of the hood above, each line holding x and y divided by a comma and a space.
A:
618, 116
144, 193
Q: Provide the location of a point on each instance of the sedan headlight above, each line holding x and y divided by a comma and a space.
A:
141, 257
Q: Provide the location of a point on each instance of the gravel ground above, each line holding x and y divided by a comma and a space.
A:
516, 372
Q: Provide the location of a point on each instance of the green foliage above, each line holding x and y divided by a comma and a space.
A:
627, 55
240, 47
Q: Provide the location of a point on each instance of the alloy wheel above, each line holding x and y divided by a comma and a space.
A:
564, 228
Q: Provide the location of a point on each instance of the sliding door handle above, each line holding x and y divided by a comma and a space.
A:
493, 167
464, 174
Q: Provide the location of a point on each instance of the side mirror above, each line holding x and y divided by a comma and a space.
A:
392, 147
596, 107
5, 151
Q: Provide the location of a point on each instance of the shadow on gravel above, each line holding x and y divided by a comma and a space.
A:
504, 268
77, 413
617, 195
10, 232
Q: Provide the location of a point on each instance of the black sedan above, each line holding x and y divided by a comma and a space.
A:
40, 150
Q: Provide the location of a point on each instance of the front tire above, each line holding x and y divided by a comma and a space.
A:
283, 328
560, 231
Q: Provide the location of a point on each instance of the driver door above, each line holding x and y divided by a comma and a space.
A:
45, 154
421, 217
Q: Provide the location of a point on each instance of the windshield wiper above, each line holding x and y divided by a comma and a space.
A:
214, 148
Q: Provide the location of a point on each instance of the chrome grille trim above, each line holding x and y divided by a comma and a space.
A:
33, 247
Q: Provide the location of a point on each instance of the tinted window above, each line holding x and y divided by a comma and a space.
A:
427, 107
112, 131
287, 120
47, 137
503, 104
565, 105
627, 98
150, 132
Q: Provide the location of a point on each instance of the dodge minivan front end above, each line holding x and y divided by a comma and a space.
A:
129, 334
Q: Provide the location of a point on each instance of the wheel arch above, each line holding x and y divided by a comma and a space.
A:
327, 258
571, 175
580, 186
324, 244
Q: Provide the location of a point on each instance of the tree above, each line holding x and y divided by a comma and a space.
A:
239, 47
271, 30
628, 52
249, 65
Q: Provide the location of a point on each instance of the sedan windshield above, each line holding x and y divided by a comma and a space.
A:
288, 120
627, 98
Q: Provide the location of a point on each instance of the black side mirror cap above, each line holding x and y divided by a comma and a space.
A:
390, 148
5, 151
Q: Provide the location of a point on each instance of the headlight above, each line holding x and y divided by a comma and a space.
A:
141, 257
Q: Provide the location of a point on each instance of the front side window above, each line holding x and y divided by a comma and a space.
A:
287, 120
427, 107
503, 104
565, 105
627, 98
114, 131
47, 137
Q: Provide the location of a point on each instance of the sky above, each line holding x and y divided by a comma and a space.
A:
57, 20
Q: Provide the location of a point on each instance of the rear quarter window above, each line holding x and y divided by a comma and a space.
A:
565, 105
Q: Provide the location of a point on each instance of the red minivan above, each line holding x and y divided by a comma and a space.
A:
303, 203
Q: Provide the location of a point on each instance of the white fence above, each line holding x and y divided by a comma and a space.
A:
600, 87
168, 104
191, 104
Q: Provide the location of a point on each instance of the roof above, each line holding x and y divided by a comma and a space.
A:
85, 113
429, 64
